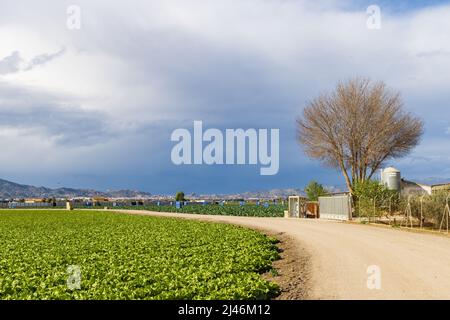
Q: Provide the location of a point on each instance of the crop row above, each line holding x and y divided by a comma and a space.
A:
100, 255
214, 209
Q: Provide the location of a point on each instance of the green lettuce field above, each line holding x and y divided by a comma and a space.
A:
214, 209
102, 255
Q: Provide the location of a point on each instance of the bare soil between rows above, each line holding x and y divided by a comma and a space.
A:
292, 269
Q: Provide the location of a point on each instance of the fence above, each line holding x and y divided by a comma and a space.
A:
13, 205
425, 211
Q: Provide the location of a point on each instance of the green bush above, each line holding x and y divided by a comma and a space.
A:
430, 208
373, 199
179, 196
314, 190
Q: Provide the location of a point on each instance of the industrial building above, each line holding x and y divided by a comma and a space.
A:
416, 188
391, 178
339, 206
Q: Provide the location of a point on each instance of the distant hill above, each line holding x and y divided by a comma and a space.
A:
274, 193
12, 190
262, 194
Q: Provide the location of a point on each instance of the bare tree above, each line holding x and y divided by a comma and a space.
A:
357, 128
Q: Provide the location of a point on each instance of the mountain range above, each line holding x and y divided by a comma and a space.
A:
12, 190
263, 194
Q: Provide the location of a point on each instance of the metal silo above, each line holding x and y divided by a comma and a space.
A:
391, 178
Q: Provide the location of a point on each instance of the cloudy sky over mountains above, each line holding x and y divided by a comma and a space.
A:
95, 107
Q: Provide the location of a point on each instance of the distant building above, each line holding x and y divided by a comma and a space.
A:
34, 200
391, 178
410, 188
100, 199
416, 188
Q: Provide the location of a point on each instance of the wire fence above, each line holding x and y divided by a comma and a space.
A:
413, 211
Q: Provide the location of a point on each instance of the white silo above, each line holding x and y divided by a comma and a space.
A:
391, 178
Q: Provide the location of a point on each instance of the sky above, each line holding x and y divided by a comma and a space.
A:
95, 106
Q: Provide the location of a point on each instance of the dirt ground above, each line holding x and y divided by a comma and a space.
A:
341, 257
292, 269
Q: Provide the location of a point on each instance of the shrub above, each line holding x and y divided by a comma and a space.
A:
373, 199
179, 196
314, 190
429, 207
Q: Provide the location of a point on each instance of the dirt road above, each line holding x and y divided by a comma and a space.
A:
411, 265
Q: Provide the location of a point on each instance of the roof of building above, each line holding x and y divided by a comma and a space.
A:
391, 170
428, 184
441, 184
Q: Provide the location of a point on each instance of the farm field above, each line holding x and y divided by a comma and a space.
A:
215, 209
120, 256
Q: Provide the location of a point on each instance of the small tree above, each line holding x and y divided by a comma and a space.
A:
372, 198
179, 196
314, 190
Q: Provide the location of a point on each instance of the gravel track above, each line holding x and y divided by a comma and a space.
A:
412, 265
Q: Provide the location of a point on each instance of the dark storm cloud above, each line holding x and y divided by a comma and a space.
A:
249, 64
51, 116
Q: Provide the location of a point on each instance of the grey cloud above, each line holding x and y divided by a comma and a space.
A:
434, 53
53, 117
247, 73
44, 58
14, 62
11, 63
210, 82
